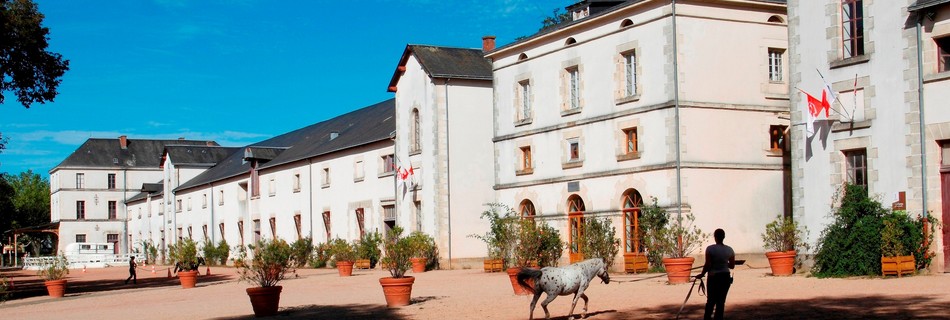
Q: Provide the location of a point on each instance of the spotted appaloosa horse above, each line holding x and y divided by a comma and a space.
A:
562, 281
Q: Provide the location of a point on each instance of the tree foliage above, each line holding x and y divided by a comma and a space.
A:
599, 240
851, 244
27, 68
24, 202
556, 18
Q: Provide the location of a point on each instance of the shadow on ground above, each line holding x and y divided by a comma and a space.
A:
34, 287
851, 307
350, 311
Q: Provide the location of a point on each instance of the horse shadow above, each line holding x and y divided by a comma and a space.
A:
578, 315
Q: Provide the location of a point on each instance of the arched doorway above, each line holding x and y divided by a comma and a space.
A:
575, 218
634, 256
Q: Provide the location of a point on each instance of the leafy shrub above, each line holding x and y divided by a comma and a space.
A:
423, 246
271, 262
216, 254
341, 250
653, 219
599, 240
851, 244
301, 250
397, 251
529, 243
903, 235
4, 289
368, 248
56, 269
678, 239
502, 234
185, 251
784, 234
551, 246
320, 255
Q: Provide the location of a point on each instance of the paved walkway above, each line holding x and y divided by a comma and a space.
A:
463, 294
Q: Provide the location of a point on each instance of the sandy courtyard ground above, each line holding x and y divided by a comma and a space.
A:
468, 294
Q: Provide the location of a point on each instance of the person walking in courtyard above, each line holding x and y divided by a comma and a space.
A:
132, 276
719, 259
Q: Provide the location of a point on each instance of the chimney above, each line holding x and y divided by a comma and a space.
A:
488, 43
123, 142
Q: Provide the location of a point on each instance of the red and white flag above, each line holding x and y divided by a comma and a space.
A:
813, 111
406, 176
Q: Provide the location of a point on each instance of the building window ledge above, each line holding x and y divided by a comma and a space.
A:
778, 153
415, 152
325, 185
628, 156
937, 77
627, 99
849, 126
386, 174
296, 190
523, 122
524, 172
572, 164
849, 61
568, 112
360, 179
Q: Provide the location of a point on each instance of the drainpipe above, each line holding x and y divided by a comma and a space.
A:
448, 176
125, 222
920, 105
211, 224
310, 191
676, 109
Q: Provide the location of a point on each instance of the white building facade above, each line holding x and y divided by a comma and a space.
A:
684, 102
887, 63
444, 130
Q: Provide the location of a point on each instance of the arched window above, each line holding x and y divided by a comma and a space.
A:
569, 41
626, 23
632, 234
416, 135
776, 19
575, 217
522, 57
527, 209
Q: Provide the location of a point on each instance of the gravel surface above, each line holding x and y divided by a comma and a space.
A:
466, 294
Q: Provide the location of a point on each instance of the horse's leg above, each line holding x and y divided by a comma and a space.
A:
544, 304
534, 302
573, 304
584, 296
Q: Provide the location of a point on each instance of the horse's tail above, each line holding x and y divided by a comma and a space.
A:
529, 273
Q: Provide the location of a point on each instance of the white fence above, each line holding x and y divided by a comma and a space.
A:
85, 261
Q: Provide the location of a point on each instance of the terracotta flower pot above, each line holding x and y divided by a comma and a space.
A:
513, 277
397, 290
188, 279
418, 264
677, 269
56, 288
782, 262
345, 268
264, 300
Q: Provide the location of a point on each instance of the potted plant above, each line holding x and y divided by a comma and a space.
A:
271, 261
551, 249
526, 252
185, 255
343, 253
422, 246
397, 250
301, 251
652, 218
896, 258
599, 240
367, 250
783, 240
677, 242
54, 273
500, 236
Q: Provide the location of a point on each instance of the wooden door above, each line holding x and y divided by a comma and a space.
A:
945, 197
575, 221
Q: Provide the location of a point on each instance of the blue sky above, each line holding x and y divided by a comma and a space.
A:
236, 71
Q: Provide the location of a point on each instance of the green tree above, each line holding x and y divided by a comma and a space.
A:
557, 18
31, 199
28, 69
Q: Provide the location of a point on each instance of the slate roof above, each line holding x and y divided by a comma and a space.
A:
202, 156
360, 127
446, 63
106, 153
155, 189
924, 4
597, 14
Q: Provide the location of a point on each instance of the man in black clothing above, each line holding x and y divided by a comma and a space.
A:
132, 271
719, 259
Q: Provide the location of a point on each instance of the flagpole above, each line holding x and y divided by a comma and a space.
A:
850, 118
829, 107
